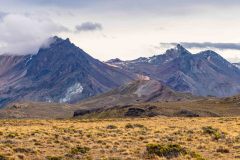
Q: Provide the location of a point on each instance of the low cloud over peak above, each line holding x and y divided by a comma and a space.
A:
2, 15
24, 34
89, 26
206, 45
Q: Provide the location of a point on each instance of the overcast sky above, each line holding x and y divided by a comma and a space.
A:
126, 29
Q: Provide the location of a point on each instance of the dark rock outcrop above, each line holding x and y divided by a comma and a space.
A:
186, 113
134, 112
81, 112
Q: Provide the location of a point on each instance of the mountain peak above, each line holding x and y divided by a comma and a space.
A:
179, 50
57, 40
179, 46
54, 41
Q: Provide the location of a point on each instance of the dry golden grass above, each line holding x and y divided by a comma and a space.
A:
119, 138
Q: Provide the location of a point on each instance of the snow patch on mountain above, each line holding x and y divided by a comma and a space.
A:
143, 77
76, 89
237, 65
28, 60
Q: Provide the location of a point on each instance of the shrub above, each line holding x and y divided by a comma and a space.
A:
213, 132
129, 125
79, 150
114, 158
111, 127
223, 150
209, 130
196, 156
12, 135
168, 151
24, 150
53, 158
2, 157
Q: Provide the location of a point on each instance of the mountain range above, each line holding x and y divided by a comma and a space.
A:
64, 73
203, 74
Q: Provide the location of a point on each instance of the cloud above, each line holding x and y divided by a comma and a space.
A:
2, 15
89, 26
205, 45
24, 34
171, 7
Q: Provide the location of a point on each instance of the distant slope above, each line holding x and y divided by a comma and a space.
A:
204, 74
37, 110
61, 73
207, 107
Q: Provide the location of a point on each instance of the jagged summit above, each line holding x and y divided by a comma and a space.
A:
169, 55
59, 39
179, 50
55, 41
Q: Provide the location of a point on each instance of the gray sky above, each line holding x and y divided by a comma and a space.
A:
122, 28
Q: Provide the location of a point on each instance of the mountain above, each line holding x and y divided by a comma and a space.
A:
60, 72
203, 74
237, 65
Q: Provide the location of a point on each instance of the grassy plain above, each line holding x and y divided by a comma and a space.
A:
119, 139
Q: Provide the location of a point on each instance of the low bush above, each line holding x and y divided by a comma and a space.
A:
80, 150
2, 157
168, 151
24, 150
129, 125
111, 127
12, 135
53, 158
223, 150
196, 156
215, 133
